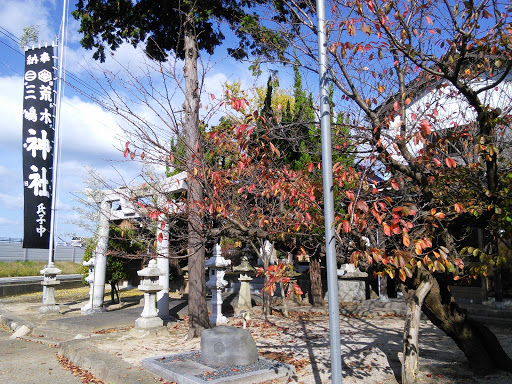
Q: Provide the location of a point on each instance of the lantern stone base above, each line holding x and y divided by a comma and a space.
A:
45, 309
148, 322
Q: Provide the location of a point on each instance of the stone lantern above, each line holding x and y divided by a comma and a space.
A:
217, 269
49, 282
89, 279
244, 296
149, 285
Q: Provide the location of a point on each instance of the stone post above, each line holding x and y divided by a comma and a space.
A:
149, 285
162, 250
100, 269
89, 279
217, 269
383, 288
49, 282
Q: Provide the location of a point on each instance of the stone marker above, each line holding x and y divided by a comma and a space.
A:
149, 285
225, 345
50, 281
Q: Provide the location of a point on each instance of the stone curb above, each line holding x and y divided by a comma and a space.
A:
13, 322
102, 365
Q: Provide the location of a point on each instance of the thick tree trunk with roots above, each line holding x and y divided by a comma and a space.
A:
410, 358
315, 276
478, 343
197, 310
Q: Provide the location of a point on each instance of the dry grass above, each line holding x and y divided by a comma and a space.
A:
33, 268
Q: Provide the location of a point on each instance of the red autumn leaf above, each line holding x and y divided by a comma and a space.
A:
437, 162
311, 167
458, 208
308, 217
126, 145
387, 229
160, 237
428, 19
126, 152
132, 155
395, 185
450, 162
346, 226
142, 156
396, 105
362, 206
425, 127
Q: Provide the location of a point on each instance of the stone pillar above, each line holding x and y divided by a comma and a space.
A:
382, 282
217, 269
149, 285
50, 281
89, 279
100, 269
162, 250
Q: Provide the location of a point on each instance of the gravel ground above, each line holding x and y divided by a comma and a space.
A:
371, 349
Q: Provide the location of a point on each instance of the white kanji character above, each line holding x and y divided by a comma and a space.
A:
30, 91
45, 76
41, 210
32, 59
40, 230
45, 57
46, 116
30, 75
46, 93
34, 144
31, 114
39, 182
41, 220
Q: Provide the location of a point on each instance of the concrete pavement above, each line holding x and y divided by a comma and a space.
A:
25, 362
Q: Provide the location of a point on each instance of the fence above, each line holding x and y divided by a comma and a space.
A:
11, 251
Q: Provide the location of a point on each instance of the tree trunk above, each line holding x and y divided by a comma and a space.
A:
197, 310
315, 276
410, 357
478, 343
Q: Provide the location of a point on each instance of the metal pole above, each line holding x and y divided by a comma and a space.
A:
330, 240
56, 148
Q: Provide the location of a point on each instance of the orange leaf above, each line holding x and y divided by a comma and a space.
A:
458, 208
310, 167
387, 229
405, 239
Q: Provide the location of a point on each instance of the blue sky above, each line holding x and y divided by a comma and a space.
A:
90, 136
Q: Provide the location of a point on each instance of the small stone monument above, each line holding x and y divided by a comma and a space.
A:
149, 285
244, 296
223, 345
89, 279
217, 269
49, 282
351, 283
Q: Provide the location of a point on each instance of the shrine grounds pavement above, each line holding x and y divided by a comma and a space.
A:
103, 343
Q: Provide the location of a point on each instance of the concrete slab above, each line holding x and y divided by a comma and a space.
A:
187, 368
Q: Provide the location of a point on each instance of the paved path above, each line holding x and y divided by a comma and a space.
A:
27, 362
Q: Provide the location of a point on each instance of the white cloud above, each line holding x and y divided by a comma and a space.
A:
16, 15
11, 107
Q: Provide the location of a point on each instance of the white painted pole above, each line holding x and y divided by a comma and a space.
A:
56, 145
162, 261
330, 240
100, 269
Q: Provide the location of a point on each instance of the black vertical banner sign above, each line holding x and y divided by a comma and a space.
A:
39, 99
